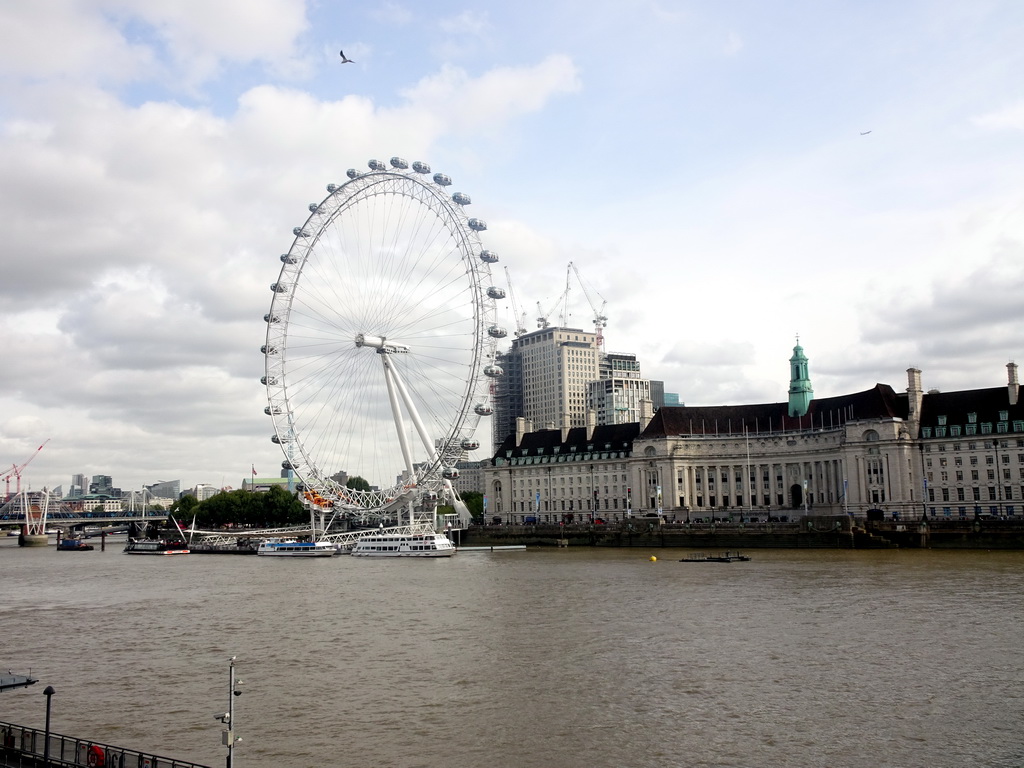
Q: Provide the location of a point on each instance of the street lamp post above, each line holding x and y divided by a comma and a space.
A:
228, 718
48, 692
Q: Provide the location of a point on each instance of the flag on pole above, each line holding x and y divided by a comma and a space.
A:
254, 470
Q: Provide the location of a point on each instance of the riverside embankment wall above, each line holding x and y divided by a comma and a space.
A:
809, 533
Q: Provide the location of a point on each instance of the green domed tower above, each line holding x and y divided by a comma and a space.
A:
800, 390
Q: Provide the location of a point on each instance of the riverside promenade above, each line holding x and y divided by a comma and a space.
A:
25, 747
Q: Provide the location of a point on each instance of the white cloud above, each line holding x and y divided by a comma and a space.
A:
733, 44
1009, 118
468, 104
466, 23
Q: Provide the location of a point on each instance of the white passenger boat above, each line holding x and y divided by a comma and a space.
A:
422, 544
293, 548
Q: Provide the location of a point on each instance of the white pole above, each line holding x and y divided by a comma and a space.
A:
397, 415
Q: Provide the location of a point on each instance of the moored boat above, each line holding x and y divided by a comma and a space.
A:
155, 547
293, 548
728, 557
71, 544
422, 544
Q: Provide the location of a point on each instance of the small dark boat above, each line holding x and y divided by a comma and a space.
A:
727, 557
155, 547
73, 545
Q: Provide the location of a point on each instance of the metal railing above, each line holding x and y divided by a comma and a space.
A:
23, 747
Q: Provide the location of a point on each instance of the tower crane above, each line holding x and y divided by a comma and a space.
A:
600, 318
519, 318
542, 316
15, 471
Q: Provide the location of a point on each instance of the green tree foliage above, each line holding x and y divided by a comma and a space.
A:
182, 508
475, 502
357, 484
277, 507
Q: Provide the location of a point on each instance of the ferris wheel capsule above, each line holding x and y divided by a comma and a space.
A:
299, 232
399, 163
440, 178
470, 445
488, 256
450, 472
314, 207
461, 198
497, 332
420, 167
287, 258
495, 292
331, 188
376, 165
477, 225
278, 287
352, 173
494, 371
482, 409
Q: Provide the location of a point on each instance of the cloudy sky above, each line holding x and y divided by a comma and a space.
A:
724, 174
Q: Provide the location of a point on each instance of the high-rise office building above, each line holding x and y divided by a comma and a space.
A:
79, 486
545, 380
167, 489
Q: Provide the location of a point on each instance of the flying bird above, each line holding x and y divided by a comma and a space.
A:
862, 133
345, 59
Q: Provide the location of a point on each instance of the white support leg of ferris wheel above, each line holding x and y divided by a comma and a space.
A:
396, 412
410, 407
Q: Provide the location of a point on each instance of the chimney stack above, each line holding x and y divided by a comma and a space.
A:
1012, 385
591, 423
646, 413
914, 395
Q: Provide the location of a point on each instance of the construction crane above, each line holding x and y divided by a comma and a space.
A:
519, 318
15, 472
542, 316
600, 318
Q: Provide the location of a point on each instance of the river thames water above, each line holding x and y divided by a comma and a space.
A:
544, 658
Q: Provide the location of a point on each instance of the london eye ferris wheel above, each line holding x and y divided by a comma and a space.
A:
381, 339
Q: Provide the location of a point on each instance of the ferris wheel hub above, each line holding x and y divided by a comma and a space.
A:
379, 343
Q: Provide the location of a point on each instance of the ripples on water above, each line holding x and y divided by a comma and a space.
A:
546, 659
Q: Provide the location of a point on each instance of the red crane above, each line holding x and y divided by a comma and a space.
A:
15, 471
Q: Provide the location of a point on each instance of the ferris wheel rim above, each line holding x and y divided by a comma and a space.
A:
462, 233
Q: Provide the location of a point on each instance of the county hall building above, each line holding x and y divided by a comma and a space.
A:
952, 454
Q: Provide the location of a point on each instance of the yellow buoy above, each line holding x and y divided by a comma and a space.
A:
654, 559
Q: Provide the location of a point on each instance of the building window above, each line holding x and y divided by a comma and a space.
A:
972, 418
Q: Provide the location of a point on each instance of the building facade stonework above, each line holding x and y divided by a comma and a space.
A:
911, 454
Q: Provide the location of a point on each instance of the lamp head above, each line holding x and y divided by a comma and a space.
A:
48, 691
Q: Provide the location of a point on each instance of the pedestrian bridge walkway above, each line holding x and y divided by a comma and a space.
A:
23, 747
